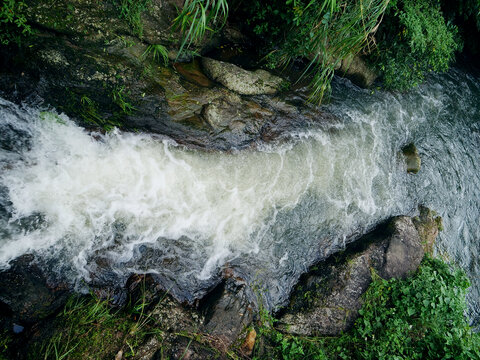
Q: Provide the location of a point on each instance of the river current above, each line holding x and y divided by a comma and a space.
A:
95, 206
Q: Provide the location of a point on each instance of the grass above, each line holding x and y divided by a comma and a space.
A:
89, 328
131, 11
158, 52
197, 17
119, 97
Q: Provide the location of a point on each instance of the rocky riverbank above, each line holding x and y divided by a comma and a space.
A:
104, 72
325, 302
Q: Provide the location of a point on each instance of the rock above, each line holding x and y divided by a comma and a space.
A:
357, 71
428, 224
184, 348
327, 299
192, 72
405, 251
241, 81
243, 119
412, 159
148, 349
228, 312
27, 293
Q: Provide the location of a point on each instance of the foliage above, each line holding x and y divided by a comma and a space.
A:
13, 23
323, 31
197, 17
421, 317
90, 329
157, 51
88, 110
120, 99
414, 40
131, 10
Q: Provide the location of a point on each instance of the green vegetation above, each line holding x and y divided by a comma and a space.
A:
120, 99
158, 51
13, 24
414, 40
197, 17
421, 317
88, 328
323, 31
131, 11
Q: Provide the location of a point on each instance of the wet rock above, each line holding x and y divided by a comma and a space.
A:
428, 224
27, 293
193, 72
184, 348
357, 71
327, 299
412, 159
405, 251
242, 81
148, 349
242, 119
228, 312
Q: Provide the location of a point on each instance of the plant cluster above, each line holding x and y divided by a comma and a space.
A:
88, 328
421, 317
414, 40
158, 51
131, 11
13, 23
326, 32
197, 18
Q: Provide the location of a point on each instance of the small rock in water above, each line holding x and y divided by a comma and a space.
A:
412, 158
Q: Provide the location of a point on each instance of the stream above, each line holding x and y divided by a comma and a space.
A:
99, 207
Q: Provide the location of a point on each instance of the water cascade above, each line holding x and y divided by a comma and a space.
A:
97, 206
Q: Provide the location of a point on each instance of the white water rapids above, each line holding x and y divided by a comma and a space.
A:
125, 202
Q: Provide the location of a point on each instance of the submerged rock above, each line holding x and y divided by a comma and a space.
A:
412, 159
242, 81
327, 300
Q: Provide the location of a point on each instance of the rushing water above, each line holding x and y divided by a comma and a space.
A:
101, 206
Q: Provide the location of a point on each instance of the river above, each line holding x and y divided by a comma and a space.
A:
98, 207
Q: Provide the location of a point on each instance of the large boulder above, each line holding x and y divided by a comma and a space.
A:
242, 81
328, 298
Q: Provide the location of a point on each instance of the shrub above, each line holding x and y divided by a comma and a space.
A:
414, 40
13, 24
323, 31
421, 317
